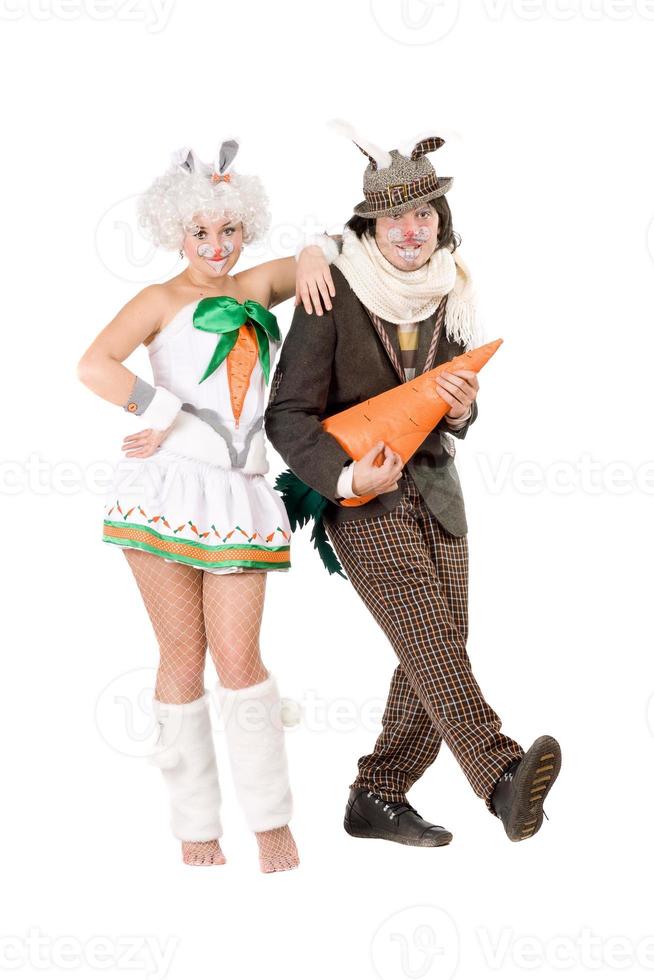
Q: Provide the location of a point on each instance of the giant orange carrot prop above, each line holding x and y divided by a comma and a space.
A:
403, 416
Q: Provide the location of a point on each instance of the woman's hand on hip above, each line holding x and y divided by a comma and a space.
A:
145, 443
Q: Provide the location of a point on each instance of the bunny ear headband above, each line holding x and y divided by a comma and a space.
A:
188, 161
190, 187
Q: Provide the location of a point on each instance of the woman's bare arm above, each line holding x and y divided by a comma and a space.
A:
308, 279
100, 367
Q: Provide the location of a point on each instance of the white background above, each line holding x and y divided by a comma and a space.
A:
554, 198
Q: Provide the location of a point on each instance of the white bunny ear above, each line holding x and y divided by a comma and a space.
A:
186, 159
183, 158
225, 156
425, 137
380, 159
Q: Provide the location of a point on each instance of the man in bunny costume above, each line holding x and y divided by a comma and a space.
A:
403, 305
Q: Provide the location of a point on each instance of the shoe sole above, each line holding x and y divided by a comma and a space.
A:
535, 778
444, 838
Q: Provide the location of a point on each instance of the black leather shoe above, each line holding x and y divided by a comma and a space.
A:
367, 815
520, 791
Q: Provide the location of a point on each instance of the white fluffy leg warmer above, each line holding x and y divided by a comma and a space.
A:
186, 756
252, 720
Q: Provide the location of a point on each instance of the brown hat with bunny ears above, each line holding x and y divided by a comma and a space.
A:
394, 182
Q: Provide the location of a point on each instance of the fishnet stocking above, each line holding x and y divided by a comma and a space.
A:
203, 853
172, 594
187, 607
277, 850
233, 608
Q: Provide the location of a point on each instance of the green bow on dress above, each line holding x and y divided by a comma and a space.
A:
224, 316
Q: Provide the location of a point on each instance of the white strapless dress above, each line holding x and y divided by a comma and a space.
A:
202, 499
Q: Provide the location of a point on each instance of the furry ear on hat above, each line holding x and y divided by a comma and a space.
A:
186, 159
225, 156
379, 159
424, 143
427, 145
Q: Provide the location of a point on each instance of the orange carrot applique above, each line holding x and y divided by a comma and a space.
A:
244, 333
240, 365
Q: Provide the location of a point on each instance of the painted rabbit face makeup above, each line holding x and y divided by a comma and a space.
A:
408, 242
217, 259
410, 239
214, 247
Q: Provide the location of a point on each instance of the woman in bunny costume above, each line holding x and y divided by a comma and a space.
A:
190, 506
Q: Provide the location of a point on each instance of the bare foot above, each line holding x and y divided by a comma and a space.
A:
277, 850
201, 853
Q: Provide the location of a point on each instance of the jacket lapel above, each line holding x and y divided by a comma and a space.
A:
388, 337
429, 345
425, 335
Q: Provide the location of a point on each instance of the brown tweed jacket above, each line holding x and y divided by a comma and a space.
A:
336, 360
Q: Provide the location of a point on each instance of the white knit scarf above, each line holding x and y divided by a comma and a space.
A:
409, 297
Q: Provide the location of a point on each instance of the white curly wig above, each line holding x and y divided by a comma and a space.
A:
189, 188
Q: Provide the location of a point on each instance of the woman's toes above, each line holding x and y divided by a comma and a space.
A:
277, 850
200, 853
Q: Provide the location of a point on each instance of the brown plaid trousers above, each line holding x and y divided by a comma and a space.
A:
412, 575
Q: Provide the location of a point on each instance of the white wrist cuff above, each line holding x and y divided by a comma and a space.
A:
344, 485
327, 245
162, 410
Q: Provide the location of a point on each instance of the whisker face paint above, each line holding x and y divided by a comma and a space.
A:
216, 258
409, 242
